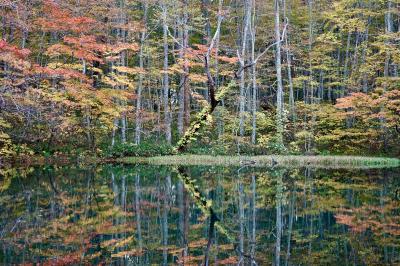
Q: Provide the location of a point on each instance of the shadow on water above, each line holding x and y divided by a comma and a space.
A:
199, 215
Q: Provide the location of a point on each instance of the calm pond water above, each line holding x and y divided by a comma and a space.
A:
150, 215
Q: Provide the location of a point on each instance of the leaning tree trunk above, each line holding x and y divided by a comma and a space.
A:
214, 96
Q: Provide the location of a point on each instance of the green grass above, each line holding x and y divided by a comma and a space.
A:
268, 160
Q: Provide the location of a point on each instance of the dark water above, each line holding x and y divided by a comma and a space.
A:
148, 215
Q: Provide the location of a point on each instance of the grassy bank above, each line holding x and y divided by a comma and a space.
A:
268, 160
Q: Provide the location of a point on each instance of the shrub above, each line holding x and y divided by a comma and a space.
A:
145, 149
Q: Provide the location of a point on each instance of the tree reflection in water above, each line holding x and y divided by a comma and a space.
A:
199, 216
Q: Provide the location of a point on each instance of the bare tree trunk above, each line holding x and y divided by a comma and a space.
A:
167, 114
186, 89
363, 58
138, 114
346, 64
278, 65
220, 121
386, 73
182, 81
123, 128
309, 140
242, 97
292, 108
253, 76
113, 132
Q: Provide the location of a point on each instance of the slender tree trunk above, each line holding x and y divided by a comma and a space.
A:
346, 65
186, 92
363, 56
242, 97
278, 66
115, 123
253, 76
292, 108
182, 81
138, 113
386, 71
123, 128
167, 114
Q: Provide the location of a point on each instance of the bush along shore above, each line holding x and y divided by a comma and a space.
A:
267, 161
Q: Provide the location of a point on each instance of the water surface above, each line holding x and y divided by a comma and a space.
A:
144, 215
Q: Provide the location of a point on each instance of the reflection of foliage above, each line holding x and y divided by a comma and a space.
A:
71, 216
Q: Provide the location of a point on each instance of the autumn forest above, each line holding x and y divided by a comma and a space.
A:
142, 78
200, 132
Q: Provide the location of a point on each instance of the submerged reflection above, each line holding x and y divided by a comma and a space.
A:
199, 216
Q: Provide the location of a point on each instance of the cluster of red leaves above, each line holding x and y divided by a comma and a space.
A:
5, 47
14, 57
369, 107
58, 19
60, 73
84, 47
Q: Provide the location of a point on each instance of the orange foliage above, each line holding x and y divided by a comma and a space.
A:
57, 19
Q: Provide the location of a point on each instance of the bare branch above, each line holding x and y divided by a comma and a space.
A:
244, 67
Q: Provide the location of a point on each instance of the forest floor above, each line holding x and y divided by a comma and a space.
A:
267, 160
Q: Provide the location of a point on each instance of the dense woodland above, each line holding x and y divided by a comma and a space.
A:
146, 77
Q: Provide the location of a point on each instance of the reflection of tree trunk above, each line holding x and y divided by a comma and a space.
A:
137, 212
183, 217
116, 197
241, 221
382, 196
123, 207
123, 193
185, 221
115, 189
165, 219
279, 198
253, 227
211, 233
291, 215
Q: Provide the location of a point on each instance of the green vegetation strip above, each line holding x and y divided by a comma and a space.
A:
268, 160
